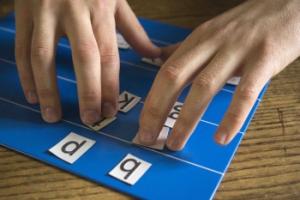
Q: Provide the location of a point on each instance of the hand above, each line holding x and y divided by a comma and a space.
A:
90, 25
255, 40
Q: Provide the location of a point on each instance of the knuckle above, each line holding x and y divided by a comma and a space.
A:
46, 94
206, 82
248, 93
88, 97
109, 58
171, 73
86, 51
40, 52
234, 117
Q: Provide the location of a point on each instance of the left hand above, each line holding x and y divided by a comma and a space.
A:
255, 40
90, 26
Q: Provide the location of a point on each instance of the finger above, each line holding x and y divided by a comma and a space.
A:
208, 82
105, 33
24, 26
245, 96
171, 79
86, 59
42, 56
133, 32
166, 52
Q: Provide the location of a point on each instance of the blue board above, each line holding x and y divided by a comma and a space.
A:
193, 173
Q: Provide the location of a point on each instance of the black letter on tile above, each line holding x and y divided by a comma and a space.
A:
126, 101
76, 147
136, 164
175, 114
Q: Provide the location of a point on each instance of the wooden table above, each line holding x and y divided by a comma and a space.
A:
267, 164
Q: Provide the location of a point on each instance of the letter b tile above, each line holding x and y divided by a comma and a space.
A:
130, 169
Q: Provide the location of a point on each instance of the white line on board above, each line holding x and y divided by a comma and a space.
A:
9, 30
124, 62
116, 138
74, 82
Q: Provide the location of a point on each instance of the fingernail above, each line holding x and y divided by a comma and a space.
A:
221, 138
31, 97
108, 110
146, 137
90, 117
50, 115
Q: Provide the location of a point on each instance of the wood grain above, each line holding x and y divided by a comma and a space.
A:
267, 164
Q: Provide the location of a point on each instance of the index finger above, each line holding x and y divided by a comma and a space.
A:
169, 82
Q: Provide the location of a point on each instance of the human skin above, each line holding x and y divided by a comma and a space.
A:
90, 26
255, 40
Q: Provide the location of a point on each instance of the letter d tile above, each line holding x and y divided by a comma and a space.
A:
72, 147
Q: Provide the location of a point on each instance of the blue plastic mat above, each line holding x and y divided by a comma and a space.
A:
193, 173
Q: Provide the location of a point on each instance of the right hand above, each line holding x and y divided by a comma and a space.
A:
255, 40
90, 25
